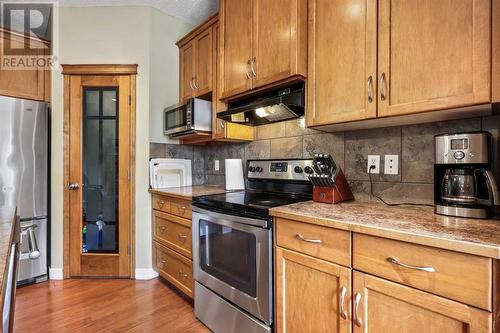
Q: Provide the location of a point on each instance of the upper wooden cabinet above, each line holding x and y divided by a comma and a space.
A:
312, 295
383, 306
25, 83
495, 75
433, 55
196, 65
412, 56
342, 68
262, 43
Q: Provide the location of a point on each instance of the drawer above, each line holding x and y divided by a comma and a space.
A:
180, 208
173, 232
161, 203
175, 268
321, 242
458, 276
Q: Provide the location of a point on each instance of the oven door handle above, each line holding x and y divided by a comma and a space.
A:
233, 218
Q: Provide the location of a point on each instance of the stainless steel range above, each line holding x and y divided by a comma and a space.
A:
233, 246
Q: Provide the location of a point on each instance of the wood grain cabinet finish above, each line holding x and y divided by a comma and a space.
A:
433, 55
321, 242
161, 203
458, 276
312, 295
181, 208
495, 75
262, 43
342, 62
371, 59
173, 232
174, 267
383, 306
186, 70
26, 83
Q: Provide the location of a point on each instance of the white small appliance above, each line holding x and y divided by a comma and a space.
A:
170, 172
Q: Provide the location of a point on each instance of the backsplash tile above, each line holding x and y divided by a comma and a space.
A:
377, 141
413, 143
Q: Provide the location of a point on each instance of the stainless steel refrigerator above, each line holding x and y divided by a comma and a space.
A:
24, 161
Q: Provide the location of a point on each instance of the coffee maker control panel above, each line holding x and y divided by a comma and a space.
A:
463, 148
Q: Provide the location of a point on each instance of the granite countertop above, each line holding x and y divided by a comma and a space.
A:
406, 223
7, 218
189, 192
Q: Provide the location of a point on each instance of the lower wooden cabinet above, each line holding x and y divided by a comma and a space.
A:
383, 306
312, 295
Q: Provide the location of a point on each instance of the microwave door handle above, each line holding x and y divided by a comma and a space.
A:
493, 192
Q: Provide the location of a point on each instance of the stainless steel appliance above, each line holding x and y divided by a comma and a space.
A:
233, 246
23, 180
194, 116
464, 185
268, 107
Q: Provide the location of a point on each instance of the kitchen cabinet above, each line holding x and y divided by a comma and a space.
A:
312, 295
262, 43
25, 83
409, 57
342, 68
172, 245
195, 62
380, 305
495, 51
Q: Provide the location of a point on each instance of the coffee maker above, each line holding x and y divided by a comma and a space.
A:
464, 185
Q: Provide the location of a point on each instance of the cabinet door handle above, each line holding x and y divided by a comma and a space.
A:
308, 240
251, 67
357, 300
249, 63
383, 87
343, 293
194, 82
191, 84
369, 88
395, 261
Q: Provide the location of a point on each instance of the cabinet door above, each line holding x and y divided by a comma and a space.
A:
23, 83
235, 46
277, 33
383, 306
342, 61
204, 65
310, 294
433, 54
186, 70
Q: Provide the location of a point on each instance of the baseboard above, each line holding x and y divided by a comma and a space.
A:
145, 274
56, 273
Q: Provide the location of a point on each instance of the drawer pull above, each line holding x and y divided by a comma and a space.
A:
357, 300
182, 209
161, 203
182, 274
343, 293
162, 264
395, 261
316, 241
162, 230
182, 237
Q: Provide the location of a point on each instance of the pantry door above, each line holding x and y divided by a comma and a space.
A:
100, 171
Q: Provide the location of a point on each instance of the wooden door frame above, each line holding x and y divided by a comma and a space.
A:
98, 69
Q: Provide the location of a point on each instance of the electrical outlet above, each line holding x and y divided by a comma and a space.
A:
391, 164
216, 166
375, 161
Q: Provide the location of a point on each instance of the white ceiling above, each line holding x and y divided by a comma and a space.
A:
192, 11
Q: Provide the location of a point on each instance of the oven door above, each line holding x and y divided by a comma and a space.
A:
177, 118
232, 256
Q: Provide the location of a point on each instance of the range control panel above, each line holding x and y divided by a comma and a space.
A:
280, 169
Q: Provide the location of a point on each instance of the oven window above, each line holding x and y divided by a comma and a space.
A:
175, 118
229, 255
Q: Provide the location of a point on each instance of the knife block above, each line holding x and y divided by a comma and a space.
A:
338, 193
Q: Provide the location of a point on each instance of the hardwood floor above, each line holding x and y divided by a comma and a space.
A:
80, 305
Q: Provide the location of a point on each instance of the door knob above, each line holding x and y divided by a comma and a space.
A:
73, 186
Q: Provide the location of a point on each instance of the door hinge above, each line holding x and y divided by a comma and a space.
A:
129, 100
128, 175
129, 250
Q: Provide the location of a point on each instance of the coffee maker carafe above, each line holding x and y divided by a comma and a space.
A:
464, 185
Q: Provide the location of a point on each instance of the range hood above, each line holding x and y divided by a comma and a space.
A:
270, 107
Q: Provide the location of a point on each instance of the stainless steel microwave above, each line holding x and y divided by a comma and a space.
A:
189, 118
